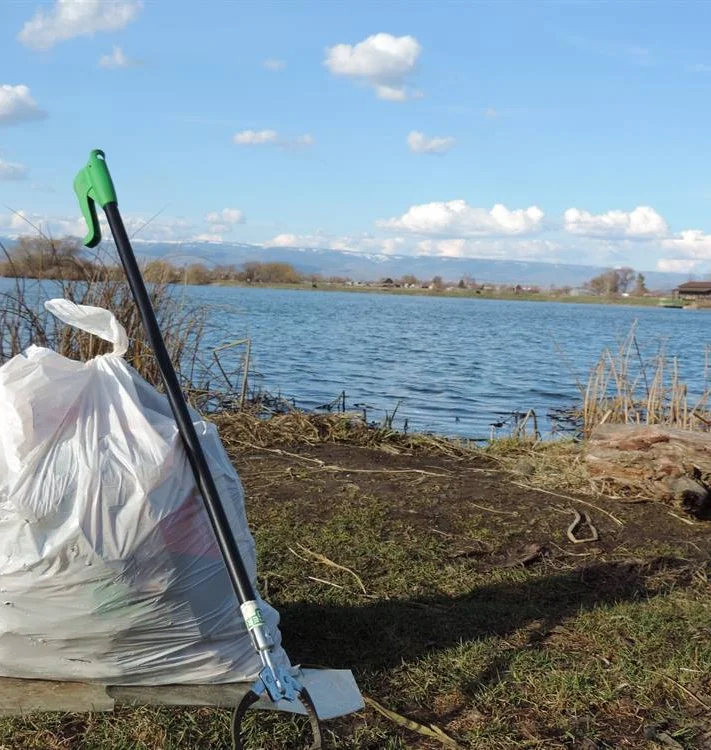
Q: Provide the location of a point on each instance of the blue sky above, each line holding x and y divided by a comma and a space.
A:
576, 132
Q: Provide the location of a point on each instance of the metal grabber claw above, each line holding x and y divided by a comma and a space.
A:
252, 697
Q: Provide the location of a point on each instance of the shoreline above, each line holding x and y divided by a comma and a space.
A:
453, 293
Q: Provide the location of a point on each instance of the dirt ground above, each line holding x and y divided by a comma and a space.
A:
448, 551
468, 616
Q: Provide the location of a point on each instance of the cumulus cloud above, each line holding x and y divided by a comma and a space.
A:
23, 222
677, 265
284, 240
274, 65
17, 105
382, 61
12, 171
67, 19
18, 220
223, 221
691, 243
510, 248
140, 228
263, 137
361, 243
255, 137
504, 248
642, 222
116, 60
226, 216
396, 93
458, 218
420, 144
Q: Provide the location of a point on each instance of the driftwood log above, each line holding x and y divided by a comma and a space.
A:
661, 463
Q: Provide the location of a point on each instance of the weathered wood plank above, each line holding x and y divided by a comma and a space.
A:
228, 694
20, 697
334, 692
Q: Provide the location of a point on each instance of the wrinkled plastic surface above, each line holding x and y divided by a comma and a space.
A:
108, 566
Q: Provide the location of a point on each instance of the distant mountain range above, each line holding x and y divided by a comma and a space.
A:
373, 266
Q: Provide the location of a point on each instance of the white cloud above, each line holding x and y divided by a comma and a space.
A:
262, 137
12, 171
458, 218
364, 243
491, 112
420, 144
274, 65
67, 19
223, 221
24, 223
505, 248
676, 265
642, 222
17, 105
208, 237
284, 240
18, 220
117, 60
382, 61
393, 93
255, 137
699, 68
508, 248
139, 228
691, 243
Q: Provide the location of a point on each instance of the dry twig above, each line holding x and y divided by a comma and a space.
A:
326, 561
427, 730
569, 497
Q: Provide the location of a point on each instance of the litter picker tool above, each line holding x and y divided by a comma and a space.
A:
94, 186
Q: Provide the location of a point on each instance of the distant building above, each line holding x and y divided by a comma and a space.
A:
693, 290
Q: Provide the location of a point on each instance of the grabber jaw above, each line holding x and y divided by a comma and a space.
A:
321, 694
253, 696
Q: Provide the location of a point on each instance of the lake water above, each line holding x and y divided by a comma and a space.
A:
455, 365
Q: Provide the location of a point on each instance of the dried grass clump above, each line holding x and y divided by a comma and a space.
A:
24, 321
625, 389
244, 428
550, 465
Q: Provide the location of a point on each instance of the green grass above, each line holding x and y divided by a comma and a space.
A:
550, 656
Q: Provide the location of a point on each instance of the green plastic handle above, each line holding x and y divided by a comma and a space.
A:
94, 185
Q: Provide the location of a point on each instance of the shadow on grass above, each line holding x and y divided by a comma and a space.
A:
375, 635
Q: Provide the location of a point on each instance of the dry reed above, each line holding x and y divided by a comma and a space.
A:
24, 321
623, 388
249, 429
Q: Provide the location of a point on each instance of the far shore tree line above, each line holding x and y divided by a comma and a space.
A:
66, 258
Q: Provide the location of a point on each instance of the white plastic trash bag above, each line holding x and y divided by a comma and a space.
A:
108, 566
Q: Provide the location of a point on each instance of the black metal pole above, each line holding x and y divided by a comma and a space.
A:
215, 511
